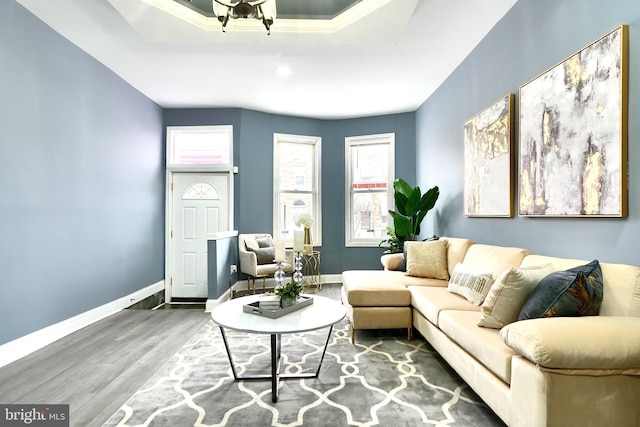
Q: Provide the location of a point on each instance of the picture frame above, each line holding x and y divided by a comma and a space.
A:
573, 134
488, 161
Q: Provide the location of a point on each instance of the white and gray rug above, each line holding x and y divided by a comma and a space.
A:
381, 380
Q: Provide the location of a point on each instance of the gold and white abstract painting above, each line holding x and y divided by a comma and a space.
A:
572, 154
488, 164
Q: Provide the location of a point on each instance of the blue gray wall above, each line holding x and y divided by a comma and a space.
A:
82, 162
253, 154
533, 36
81, 180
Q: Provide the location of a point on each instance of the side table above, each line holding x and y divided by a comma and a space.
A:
311, 270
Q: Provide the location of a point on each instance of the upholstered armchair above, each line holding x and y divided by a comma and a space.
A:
257, 252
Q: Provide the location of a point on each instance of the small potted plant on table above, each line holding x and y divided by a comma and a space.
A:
289, 293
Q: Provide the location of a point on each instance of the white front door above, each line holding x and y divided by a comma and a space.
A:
200, 205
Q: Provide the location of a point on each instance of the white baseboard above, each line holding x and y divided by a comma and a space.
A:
14, 350
213, 303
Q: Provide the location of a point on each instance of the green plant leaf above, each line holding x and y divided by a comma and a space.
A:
401, 203
401, 186
402, 226
413, 202
411, 208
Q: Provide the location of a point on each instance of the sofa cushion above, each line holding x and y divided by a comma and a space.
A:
621, 288
573, 292
375, 288
470, 283
592, 342
483, 344
430, 301
427, 259
509, 293
423, 281
494, 258
456, 250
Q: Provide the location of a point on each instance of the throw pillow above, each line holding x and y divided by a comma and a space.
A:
427, 259
573, 292
265, 255
265, 242
403, 264
251, 244
508, 294
472, 284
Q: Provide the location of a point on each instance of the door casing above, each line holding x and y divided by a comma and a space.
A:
169, 214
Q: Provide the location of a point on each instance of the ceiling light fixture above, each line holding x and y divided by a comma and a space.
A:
264, 10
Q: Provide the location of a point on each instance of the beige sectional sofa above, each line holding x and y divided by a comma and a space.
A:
558, 371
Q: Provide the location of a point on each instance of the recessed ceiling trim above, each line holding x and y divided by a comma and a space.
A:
315, 26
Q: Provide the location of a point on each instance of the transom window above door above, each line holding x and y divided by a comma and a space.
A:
199, 147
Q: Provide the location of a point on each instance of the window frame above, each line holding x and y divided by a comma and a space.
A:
350, 142
316, 192
172, 131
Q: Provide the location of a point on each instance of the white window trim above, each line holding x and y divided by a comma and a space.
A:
224, 129
316, 232
351, 141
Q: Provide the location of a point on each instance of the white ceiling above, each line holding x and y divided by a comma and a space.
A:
390, 61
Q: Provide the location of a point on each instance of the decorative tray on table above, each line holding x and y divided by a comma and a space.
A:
274, 311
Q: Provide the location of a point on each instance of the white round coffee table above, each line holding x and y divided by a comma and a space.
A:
323, 313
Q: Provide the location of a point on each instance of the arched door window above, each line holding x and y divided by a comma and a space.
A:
200, 191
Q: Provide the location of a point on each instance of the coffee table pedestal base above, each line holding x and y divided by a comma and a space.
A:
275, 376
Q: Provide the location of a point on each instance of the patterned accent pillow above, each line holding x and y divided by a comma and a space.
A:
573, 292
508, 294
470, 283
427, 259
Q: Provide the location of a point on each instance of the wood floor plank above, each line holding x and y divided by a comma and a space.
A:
96, 369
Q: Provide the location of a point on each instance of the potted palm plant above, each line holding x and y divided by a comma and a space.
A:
411, 208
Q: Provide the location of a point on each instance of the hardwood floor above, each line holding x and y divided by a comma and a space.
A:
96, 369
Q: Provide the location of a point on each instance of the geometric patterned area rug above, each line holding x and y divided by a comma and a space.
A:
381, 380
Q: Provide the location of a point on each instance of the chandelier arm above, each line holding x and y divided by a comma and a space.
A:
232, 5
223, 3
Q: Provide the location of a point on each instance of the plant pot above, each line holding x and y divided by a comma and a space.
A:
287, 302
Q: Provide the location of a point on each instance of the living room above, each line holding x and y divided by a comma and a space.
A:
84, 179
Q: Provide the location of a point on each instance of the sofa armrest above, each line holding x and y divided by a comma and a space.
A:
589, 342
391, 261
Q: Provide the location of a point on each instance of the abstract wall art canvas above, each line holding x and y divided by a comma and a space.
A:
573, 134
488, 162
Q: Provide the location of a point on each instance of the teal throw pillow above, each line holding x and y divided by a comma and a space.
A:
573, 292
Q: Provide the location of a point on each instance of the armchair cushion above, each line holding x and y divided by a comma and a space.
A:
263, 248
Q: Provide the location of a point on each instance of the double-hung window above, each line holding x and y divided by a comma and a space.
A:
369, 196
296, 185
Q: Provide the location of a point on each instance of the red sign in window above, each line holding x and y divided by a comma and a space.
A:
374, 185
